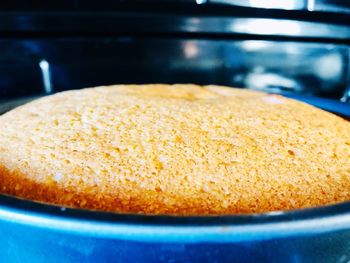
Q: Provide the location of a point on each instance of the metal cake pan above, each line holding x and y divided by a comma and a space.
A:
36, 232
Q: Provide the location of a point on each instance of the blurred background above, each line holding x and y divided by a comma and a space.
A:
279, 46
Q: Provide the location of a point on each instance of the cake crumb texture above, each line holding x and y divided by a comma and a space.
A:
174, 149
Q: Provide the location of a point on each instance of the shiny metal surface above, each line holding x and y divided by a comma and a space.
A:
332, 6
271, 4
48, 47
337, 6
170, 229
156, 23
281, 27
346, 96
275, 66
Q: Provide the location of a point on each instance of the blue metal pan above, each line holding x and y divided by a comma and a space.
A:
35, 232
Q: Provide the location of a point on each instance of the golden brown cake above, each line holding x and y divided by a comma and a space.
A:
174, 149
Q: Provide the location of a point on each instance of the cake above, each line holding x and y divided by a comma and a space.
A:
174, 149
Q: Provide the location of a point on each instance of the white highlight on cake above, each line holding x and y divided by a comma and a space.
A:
58, 177
273, 100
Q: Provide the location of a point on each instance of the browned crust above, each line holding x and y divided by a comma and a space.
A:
17, 184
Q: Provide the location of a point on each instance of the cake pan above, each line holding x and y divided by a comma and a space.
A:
35, 232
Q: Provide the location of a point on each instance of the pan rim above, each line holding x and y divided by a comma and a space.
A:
167, 228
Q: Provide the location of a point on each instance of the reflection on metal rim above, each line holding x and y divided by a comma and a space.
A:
267, 26
220, 229
146, 23
270, 4
309, 5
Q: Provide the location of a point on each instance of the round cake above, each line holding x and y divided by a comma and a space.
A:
174, 149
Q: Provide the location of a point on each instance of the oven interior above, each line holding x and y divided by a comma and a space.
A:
294, 47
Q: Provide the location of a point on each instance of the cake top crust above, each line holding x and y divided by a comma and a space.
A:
174, 149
